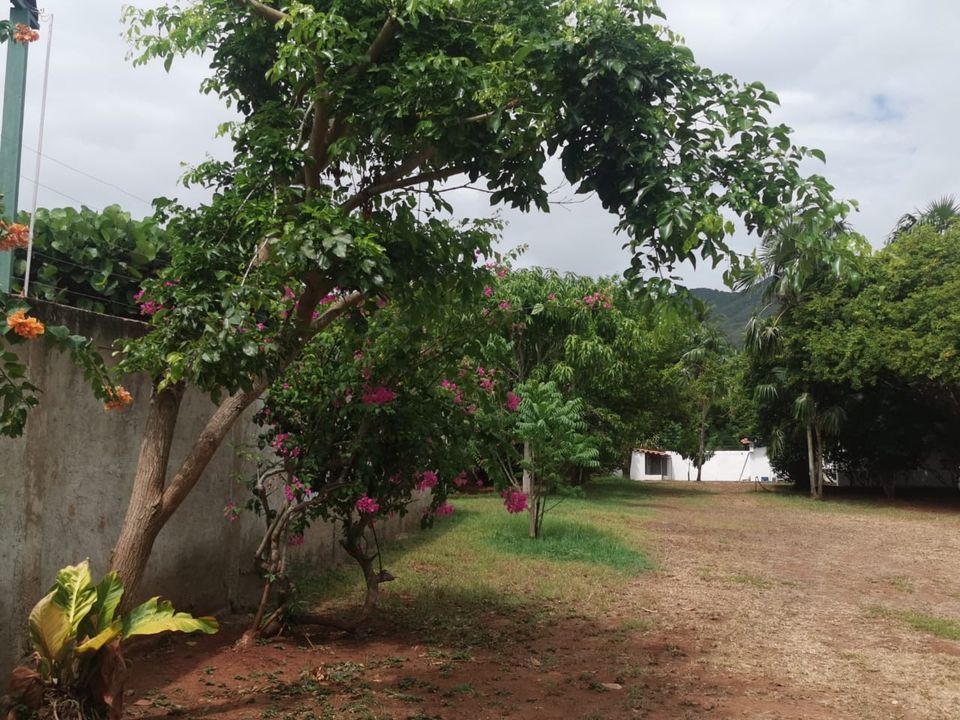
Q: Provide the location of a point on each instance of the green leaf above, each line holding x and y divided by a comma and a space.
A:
49, 629
74, 593
157, 616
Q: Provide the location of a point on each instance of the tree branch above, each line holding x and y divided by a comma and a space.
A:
265, 11
371, 191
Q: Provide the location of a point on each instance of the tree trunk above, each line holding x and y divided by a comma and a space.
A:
152, 502
811, 464
703, 440
529, 489
819, 438
144, 517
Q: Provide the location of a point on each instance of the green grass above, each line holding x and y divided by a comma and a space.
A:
565, 540
480, 561
941, 627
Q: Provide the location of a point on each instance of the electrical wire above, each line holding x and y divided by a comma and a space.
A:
88, 175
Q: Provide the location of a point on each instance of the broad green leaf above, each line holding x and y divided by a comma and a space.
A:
49, 628
75, 593
109, 594
156, 616
108, 634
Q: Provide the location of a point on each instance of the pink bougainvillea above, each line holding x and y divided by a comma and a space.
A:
378, 395
513, 401
295, 540
461, 480
487, 291
514, 500
367, 505
429, 480
445, 509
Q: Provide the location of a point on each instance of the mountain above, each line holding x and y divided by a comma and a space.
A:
730, 311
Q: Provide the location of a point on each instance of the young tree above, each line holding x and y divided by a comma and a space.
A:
353, 115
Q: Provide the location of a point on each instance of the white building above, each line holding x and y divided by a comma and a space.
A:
750, 465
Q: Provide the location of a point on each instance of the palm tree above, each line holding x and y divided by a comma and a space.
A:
799, 255
939, 215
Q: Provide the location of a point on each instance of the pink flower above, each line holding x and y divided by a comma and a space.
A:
514, 500
502, 272
504, 305
288, 293
378, 396
381, 303
513, 401
150, 307
358, 355
295, 540
230, 511
461, 480
288, 493
487, 291
261, 327
367, 505
481, 372
445, 509
471, 409
551, 297
487, 384
429, 480
139, 295
169, 283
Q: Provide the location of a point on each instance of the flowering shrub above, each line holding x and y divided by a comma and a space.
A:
355, 457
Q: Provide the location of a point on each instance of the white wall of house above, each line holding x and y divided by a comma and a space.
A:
723, 466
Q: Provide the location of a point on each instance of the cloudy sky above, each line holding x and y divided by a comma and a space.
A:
873, 84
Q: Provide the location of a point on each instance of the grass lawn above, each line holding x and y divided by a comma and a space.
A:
481, 558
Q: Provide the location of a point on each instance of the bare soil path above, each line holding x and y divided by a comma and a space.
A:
761, 606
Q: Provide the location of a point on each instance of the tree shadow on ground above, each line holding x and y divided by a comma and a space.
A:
436, 653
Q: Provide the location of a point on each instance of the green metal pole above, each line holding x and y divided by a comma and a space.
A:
11, 133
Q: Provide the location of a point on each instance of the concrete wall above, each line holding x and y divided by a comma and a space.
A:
65, 484
723, 466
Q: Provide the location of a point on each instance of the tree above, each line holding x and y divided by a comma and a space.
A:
702, 366
353, 115
939, 214
798, 259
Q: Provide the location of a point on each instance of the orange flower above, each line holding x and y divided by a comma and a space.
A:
24, 34
119, 398
15, 236
24, 326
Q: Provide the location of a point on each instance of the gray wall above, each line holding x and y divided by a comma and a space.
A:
65, 484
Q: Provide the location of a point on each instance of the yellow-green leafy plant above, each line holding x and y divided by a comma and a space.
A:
76, 669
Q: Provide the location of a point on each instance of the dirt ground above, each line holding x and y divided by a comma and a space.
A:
760, 607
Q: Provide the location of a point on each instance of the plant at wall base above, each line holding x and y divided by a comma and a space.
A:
77, 669
359, 428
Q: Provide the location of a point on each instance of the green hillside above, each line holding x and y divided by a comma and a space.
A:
730, 311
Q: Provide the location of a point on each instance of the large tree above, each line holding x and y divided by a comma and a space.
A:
352, 116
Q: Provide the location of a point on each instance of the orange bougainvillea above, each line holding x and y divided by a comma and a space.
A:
119, 398
24, 34
24, 326
14, 236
